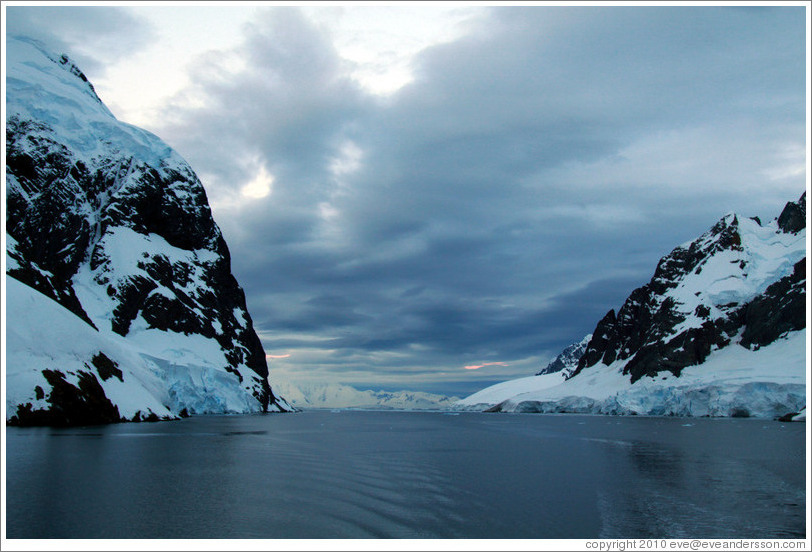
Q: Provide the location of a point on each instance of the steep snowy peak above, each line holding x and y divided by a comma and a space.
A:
702, 296
567, 361
740, 259
44, 82
108, 221
49, 89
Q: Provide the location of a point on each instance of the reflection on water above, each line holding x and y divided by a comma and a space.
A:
676, 490
408, 475
669, 488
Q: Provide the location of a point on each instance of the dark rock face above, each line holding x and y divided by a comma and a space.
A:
66, 207
599, 343
650, 333
107, 368
793, 218
51, 235
781, 309
82, 404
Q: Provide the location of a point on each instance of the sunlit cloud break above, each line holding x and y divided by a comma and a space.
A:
259, 186
478, 366
278, 356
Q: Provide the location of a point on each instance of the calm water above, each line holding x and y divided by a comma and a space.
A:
409, 475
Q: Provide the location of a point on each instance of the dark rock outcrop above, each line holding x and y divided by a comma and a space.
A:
793, 218
780, 309
652, 332
83, 403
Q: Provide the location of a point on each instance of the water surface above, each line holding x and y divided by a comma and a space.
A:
323, 474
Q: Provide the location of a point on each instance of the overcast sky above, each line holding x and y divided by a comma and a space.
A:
409, 192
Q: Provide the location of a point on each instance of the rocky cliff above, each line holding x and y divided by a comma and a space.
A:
740, 281
110, 223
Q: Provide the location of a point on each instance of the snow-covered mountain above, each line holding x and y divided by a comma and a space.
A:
567, 362
334, 395
719, 330
121, 301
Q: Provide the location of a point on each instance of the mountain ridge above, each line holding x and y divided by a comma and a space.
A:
662, 327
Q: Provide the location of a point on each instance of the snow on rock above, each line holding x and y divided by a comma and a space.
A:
567, 361
718, 331
45, 338
334, 395
108, 222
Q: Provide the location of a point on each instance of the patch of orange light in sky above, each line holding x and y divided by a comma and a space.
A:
478, 366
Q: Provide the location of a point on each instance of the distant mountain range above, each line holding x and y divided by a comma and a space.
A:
324, 395
719, 330
121, 302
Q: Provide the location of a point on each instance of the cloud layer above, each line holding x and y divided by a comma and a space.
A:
95, 37
489, 212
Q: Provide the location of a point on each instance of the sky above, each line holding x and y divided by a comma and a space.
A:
442, 196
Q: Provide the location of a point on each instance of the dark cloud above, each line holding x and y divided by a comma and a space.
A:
525, 182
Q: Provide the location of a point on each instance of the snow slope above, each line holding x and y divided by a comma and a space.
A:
500, 392
46, 336
43, 335
733, 381
768, 382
